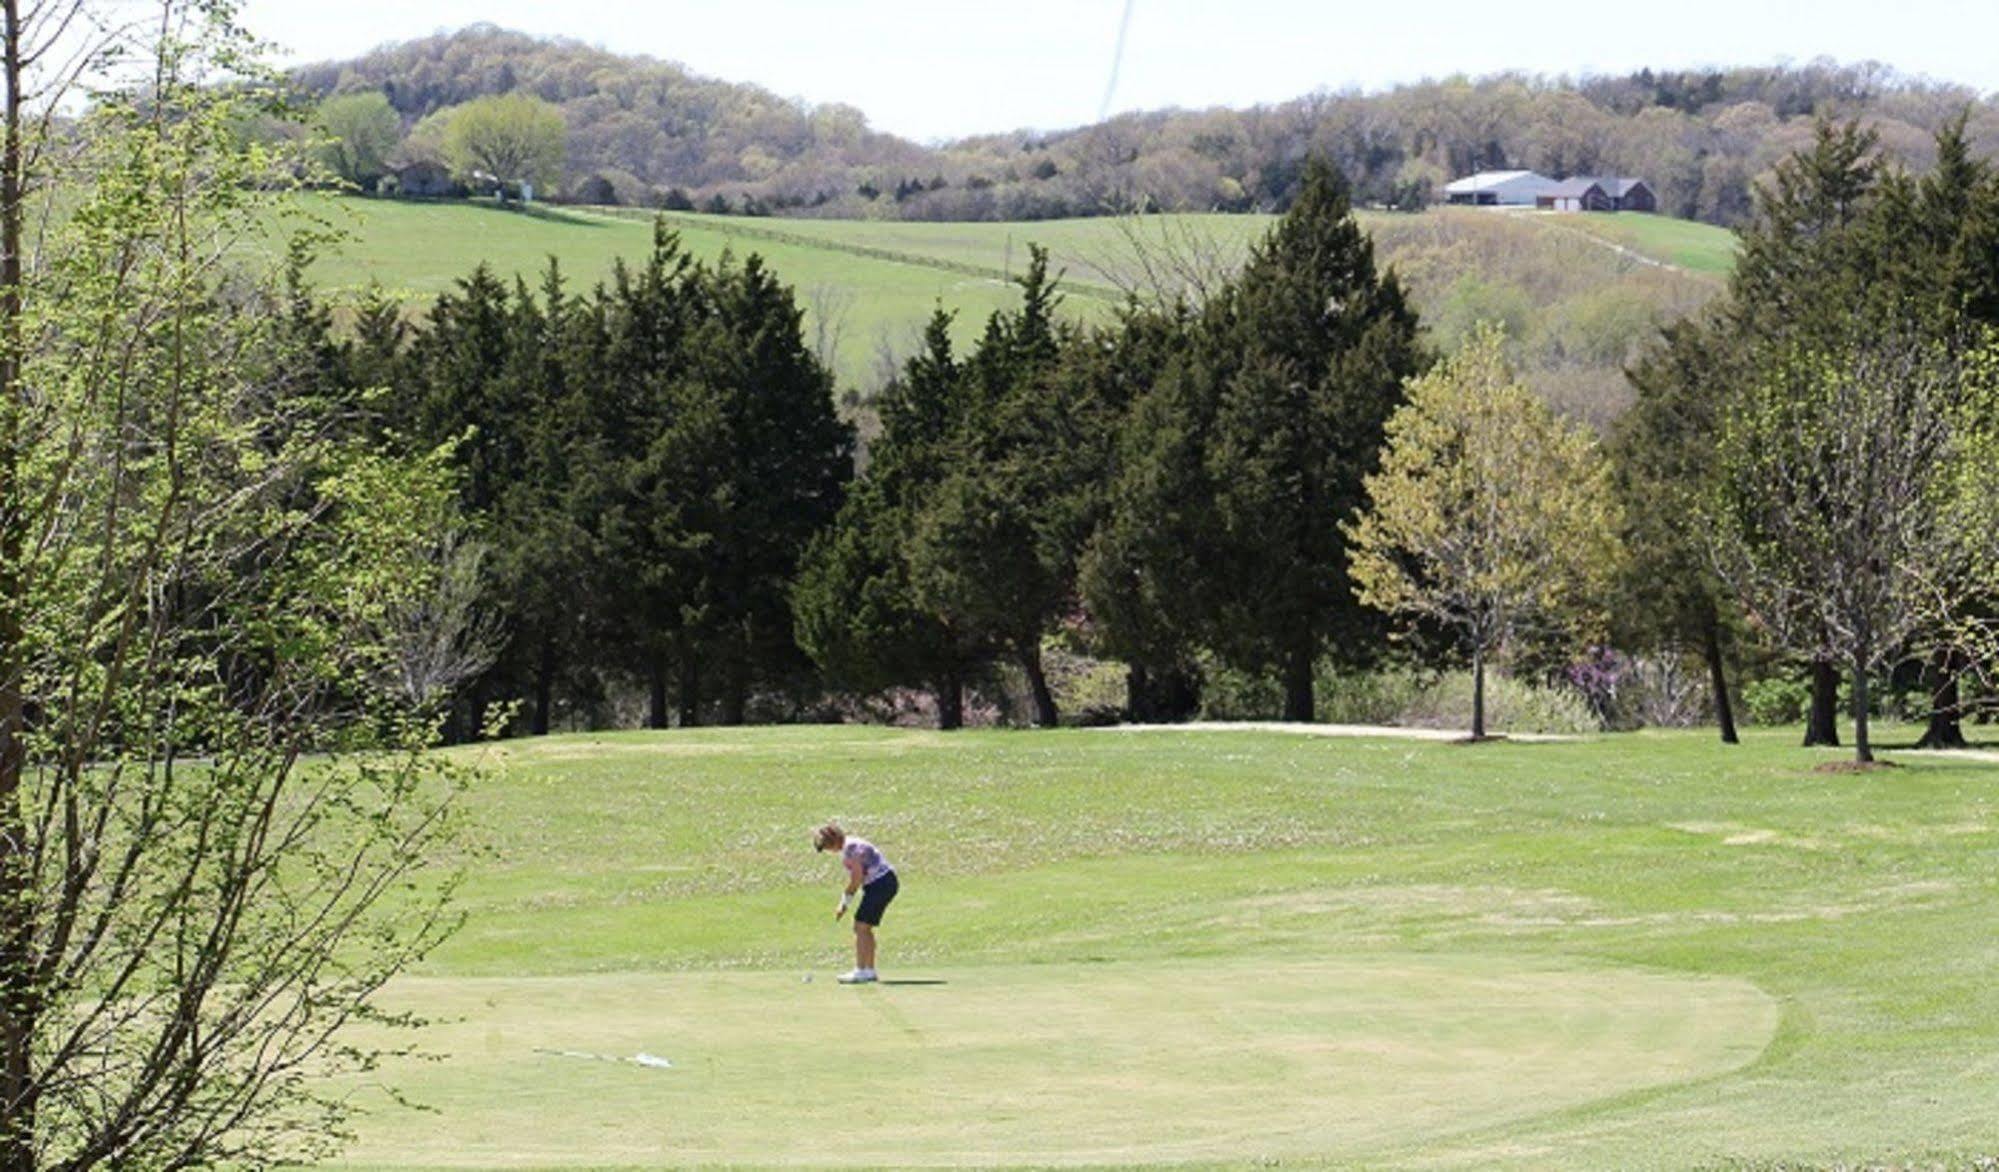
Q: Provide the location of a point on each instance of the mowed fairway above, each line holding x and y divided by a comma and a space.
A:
1213, 949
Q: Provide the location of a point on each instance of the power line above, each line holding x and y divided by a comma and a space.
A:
1117, 60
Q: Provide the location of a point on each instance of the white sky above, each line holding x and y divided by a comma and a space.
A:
932, 69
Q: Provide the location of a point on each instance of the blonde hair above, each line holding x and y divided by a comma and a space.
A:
828, 836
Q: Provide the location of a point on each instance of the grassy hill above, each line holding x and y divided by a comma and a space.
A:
1577, 291
1214, 948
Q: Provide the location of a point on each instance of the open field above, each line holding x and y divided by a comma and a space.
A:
876, 282
1688, 244
1215, 949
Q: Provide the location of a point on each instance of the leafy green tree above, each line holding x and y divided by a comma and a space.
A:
360, 133
1810, 258
780, 461
1838, 515
492, 383
209, 786
508, 140
1311, 346
637, 480
1489, 514
1941, 248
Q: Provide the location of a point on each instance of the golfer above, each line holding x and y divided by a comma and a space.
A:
871, 875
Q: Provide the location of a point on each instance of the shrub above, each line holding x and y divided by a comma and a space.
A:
1511, 705
1376, 697
1228, 694
1776, 700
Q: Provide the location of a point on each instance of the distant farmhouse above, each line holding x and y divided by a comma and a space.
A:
1526, 189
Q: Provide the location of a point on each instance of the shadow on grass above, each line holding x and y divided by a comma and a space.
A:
902, 984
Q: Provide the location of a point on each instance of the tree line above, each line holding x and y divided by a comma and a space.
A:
642, 132
1274, 475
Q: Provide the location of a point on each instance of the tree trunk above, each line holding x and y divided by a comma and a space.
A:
1946, 730
1478, 693
656, 702
1045, 715
18, 996
1863, 751
1298, 683
1822, 724
1724, 710
690, 689
951, 700
1137, 694
544, 687
736, 686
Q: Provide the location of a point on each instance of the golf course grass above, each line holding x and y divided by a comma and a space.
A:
1215, 949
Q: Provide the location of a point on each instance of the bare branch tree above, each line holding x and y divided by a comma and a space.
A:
1160, 259
830, 306
204, 806
442, 637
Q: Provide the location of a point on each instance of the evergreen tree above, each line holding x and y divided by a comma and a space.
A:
1663, 457
857, 611
1811, 258
992, 549
1311, 348
1134, 570
640, 483
782, 461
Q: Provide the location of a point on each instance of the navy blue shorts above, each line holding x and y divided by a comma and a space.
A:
875, 899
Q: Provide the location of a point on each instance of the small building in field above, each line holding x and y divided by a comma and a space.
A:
1503, 189
1630, 195
1581, 194
1588, 193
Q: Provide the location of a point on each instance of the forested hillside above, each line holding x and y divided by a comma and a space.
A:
644, 132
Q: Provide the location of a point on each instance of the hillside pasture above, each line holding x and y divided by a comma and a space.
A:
1575, 307
1217, 949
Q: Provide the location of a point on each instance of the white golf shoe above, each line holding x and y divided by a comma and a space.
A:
858, 977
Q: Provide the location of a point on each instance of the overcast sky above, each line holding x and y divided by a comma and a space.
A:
932, 69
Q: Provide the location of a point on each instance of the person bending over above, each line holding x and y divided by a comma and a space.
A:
871, 875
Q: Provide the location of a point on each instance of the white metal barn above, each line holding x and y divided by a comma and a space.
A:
1522, 189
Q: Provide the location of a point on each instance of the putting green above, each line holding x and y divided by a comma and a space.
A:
1236, 1060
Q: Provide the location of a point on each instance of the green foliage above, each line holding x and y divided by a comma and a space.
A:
1776, 700
361, 132
220, 830
857, 609
1840, 516
506, 140
1308, 351
981, 485
647, 464
1489, 515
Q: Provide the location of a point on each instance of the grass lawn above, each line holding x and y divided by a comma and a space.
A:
1216, 949
1689, 244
